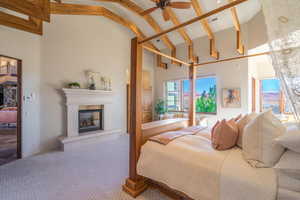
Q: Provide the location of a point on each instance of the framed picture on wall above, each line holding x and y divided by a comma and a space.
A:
231, 97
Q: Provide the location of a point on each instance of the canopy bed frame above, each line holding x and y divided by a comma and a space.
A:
136, 184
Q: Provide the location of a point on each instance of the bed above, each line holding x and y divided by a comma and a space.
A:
190, 165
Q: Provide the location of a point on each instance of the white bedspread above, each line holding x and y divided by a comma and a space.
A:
190, 165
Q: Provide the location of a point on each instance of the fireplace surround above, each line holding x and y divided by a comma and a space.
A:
85, 116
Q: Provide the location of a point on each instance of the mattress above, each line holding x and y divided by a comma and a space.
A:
189, 164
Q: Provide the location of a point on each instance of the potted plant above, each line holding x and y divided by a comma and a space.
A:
160, 108
74, 85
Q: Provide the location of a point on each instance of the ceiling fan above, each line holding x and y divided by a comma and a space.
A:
162, 4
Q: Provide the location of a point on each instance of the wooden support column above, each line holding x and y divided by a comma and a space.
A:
212, 49
239, 44
135, 185
192, 109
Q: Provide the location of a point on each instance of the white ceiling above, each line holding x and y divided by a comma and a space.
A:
245, 12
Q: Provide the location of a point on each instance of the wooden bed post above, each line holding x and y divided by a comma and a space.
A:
192, 111
135, 184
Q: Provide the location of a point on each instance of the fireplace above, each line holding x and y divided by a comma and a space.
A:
90, 118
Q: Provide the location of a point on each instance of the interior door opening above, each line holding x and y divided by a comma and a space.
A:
10, 109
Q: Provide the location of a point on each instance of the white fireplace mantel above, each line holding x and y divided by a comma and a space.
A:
74, 98
87, 97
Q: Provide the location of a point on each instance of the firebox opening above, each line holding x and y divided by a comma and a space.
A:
90, 118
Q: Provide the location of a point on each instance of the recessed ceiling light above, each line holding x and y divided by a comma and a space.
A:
283, 19
219, 1
287, 51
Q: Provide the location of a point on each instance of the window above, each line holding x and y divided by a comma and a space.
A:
173, 95
273, 97
178, 94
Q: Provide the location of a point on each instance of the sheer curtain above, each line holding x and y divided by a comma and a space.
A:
283, 24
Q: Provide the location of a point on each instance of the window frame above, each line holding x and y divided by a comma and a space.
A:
282, 99
166, 92
182, 96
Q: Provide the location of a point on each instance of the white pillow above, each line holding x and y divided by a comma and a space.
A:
241, 123
290, 140
289, 164
259, 147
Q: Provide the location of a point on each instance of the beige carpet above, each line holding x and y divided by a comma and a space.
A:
92, 172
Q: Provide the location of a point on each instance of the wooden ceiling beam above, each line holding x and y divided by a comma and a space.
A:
39, 9
239, 43
204, 23
191, 21
32, 25
233, 58
77, 9
166, 56
183, 34
133, 7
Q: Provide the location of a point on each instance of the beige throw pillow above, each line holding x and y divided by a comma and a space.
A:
224, 135
259, 147
241, 123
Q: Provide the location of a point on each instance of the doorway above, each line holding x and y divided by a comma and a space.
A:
10, 109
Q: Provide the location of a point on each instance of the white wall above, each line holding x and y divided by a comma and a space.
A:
231, 74
70, 46
259, 67
26, 46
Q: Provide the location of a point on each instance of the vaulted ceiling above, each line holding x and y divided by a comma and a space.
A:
128, 14
224, 19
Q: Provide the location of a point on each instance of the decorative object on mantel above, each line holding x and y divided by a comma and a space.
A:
98, 82
74, 85
231, 97
160, 108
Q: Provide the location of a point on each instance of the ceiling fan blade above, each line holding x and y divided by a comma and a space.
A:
155, 1
180, 5
148, 11
165, 15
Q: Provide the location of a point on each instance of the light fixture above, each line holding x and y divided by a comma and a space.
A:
219, 1
213, 19
283, 19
